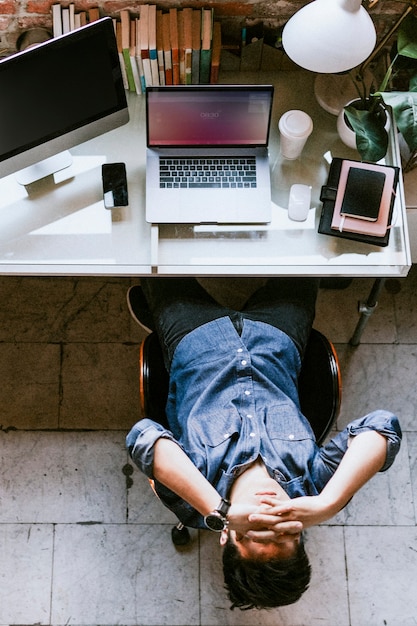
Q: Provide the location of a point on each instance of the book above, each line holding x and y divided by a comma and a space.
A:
188, 44
216, 53
196, 46
125, 27
93, 14
132, 53
362, 194
206, 39
71, 8
382, 200
118, 29
160, 47
377, 232
138, 57
173, 33
56, 20
65, 21
153, 56
181, 49
81, 17
166, 42
144, 44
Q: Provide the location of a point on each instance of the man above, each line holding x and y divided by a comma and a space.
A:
239, 457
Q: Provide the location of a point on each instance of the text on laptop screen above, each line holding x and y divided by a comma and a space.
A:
221, 116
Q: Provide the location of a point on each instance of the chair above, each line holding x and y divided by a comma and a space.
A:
319, 383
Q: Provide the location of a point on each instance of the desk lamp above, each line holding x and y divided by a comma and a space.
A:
331, 37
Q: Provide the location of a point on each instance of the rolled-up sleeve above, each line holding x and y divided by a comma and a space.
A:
141, 441
386, 424
383, 422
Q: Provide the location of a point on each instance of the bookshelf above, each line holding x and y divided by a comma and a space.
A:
177, 46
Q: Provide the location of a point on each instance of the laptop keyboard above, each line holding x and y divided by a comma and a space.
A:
194, 173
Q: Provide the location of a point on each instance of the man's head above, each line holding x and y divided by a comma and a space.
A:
264, 561
266, 579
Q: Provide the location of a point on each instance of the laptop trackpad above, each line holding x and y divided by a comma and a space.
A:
208, 206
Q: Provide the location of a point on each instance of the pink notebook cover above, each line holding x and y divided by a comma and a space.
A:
354, 225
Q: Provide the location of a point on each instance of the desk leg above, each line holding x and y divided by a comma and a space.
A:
154, 248
366, 309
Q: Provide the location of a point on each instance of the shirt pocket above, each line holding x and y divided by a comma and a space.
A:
285, 421
215, 428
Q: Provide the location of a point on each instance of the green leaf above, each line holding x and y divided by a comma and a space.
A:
371, 136
387, 76
407, 37
404, 108
413, 83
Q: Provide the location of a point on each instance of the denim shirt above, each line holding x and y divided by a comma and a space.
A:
233, 398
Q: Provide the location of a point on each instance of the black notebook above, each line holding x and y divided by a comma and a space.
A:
363, 194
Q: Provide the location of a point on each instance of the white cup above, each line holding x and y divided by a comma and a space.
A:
295, 127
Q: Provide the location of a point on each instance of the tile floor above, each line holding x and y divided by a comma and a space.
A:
83, 541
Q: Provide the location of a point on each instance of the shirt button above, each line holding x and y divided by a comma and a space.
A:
249, 415
252, 435
243, 362
247, 393
240, 349
290, 436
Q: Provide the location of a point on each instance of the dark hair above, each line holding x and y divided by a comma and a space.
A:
260, 584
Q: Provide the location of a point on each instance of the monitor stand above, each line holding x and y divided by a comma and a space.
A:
44, 168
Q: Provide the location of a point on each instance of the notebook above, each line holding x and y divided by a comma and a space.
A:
372, 192
207, 154
376, 233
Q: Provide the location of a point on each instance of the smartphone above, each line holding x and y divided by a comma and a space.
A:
114, 185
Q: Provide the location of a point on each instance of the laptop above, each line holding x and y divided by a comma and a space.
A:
207, 154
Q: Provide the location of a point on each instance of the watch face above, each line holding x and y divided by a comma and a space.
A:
214, 522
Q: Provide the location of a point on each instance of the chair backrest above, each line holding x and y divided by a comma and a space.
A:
320, 384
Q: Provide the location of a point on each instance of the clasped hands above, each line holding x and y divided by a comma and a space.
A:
274, 520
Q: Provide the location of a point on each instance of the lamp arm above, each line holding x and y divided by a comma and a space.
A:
386, 38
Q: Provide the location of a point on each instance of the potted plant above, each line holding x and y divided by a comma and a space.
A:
367, 116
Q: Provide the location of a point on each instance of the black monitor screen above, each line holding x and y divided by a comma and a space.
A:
61, 85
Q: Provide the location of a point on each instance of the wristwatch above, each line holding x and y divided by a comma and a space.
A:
217, 519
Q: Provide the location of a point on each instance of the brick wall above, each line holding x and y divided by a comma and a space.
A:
17, 16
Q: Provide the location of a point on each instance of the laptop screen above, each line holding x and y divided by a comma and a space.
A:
228, 116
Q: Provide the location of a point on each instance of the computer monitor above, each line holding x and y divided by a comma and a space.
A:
57, 95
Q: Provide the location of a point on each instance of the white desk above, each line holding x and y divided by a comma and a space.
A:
60, 227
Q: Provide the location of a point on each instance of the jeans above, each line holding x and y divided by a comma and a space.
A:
180, 305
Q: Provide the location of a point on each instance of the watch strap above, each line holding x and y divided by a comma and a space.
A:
223, 507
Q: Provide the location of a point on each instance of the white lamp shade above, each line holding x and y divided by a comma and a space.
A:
329, 36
